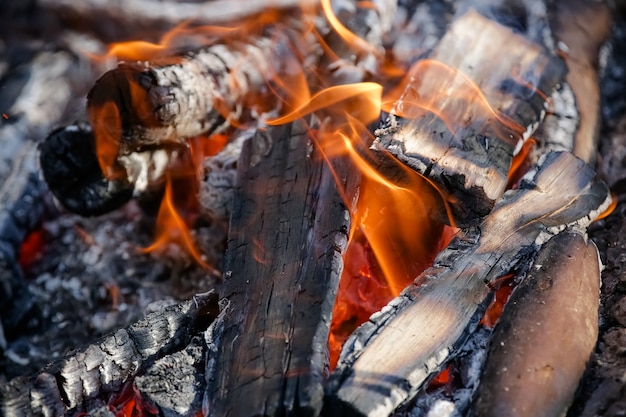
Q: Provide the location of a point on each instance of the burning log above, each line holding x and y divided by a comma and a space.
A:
386, 361
105, 366
546, 334
145, 104
288, 230
464, 140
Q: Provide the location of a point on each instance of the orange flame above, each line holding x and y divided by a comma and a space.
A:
434, 87
609, 209
171, 228
520, 163
503, 288
354, 41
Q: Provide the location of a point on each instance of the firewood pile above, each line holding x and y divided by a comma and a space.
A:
312, 208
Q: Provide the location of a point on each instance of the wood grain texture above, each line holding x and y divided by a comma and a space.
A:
464, 111
287, 233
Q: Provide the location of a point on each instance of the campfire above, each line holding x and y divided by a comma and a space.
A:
312, 208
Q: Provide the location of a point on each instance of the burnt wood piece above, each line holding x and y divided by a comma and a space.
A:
463, 112
288, 231
104, 366
71, 170
175, 97
545, 335
581, 29
387, 359
176, 383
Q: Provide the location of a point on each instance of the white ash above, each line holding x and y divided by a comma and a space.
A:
92, 278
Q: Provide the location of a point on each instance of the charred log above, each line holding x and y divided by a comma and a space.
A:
71, 170
386, 361
464, 140
288, 231
120, 20
105, 366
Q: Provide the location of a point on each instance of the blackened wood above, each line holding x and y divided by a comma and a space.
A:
581, 29
465, 111
104, 366
387, 359
288, 231
71, 170
175, 383
545, 335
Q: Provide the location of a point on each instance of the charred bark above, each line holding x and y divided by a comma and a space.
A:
288, 231
70, 167
138, 105
386, 361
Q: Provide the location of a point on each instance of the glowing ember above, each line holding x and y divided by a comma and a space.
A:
609, 209
520, 163
503, 288
443, 380
130, 403
31, 248
171, 228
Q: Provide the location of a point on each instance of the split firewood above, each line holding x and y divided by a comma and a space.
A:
387, 360
545, 335
104, 366
288, 230
462, 113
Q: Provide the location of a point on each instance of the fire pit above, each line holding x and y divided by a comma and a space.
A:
312, 208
